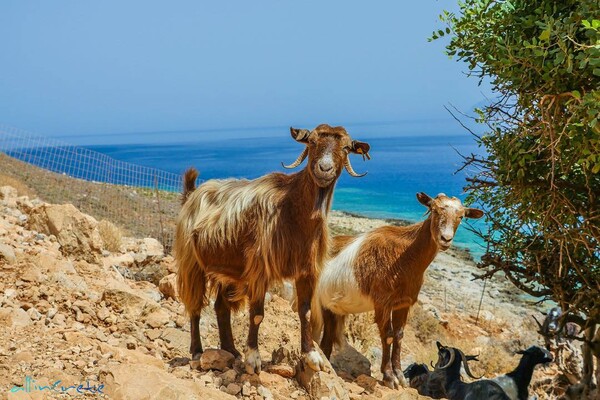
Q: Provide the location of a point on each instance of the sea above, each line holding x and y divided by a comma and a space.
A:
400, 166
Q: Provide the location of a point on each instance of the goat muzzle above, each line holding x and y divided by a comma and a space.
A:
449, 363
298, 161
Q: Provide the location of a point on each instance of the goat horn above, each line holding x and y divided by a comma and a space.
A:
298, 161
449, 363
466, 365
350, 170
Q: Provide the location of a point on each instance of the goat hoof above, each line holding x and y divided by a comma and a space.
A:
195, 361
400, 376
390, 380
253, 362
314, 360
233, 351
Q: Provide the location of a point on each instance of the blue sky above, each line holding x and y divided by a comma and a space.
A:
74, 69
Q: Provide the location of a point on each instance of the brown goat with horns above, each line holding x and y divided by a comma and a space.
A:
236, 237
382, 271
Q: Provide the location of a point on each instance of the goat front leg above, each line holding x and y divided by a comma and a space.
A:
257, 313
305, 287
398, 322
384, 324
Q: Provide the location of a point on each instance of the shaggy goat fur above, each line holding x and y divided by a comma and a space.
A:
236, 237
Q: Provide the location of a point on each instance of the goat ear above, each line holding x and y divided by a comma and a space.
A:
361, 148
425, 200
300, 135
474, 213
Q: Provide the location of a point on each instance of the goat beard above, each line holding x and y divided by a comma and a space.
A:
323, 201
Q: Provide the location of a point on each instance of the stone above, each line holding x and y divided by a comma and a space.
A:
282, 370
34, 314
7, 254
14, 318
367, 382
8, 193
129, 303
349, 360
179, 339
76, 232
168, 286
158, 318
228, 377
216, 359
264, 392
233, 389
124, 382
320, 384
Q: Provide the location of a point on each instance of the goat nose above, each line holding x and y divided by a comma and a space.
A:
446, 238
325, 166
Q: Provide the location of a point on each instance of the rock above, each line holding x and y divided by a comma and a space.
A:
322, 383
130, 304
7, 253
168, 286
23, 356
152, 247
179, 339
282, 370
367, 382
264, 392
76, 232
34, 314
349, 360
8, 193
158, 318
119, 260
233, 389
228, 377
216, 359
14, 318
31, 274
124, 382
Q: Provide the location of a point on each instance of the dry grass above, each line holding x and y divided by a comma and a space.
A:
111, 235
22, 189
426, 326
361, 331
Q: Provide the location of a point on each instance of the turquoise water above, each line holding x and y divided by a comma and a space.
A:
400, 167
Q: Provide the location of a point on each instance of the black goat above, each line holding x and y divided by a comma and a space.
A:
430, 383
456, 389
516, 383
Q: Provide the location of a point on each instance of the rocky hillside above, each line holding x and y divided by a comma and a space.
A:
83, 305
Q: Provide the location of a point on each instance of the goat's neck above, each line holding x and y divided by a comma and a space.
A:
522, 376
309, 197
453, 380
422, 247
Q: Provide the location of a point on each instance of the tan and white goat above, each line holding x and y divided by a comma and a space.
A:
382, 270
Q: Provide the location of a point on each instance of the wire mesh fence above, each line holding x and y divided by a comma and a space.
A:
142, 201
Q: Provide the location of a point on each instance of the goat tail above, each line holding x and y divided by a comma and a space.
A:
191, 275
189, 183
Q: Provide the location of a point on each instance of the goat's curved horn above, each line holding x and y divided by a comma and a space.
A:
452, 357
466, 365
350, 170
298, 161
